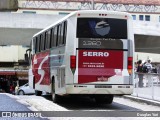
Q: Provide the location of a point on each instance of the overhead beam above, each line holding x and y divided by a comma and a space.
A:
8, 5
16, 36
147, 44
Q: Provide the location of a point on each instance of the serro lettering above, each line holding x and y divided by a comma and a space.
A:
103, 54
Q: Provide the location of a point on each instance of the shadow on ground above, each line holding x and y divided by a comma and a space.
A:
86, 103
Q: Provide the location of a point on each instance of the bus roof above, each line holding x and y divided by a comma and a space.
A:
86, 12
61, 20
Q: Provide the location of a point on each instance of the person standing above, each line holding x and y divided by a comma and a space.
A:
158, 71
140, 74
149, 70
149, 66
11, 89
16, 89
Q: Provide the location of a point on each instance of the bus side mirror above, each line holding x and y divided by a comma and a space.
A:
26, 58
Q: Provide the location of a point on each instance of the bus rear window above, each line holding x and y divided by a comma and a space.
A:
101, 28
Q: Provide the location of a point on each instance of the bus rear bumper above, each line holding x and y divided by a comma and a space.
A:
100, 89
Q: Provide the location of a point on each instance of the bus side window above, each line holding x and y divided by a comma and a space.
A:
48, 39
34, 45
52, 38
41, 44
45, 40
38, 43
59, 35
64, 32
56, 36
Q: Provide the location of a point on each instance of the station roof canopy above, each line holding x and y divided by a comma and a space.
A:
147, 44
7, 72
16, 36
14, 72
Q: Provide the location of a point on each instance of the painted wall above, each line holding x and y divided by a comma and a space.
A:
23, 20
137, 2
111, 5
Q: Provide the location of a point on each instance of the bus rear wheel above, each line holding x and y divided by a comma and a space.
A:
55, 97
38, 93
104, 99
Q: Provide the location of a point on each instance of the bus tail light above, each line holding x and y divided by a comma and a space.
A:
130, 64
78, 14
72, 61
126, 16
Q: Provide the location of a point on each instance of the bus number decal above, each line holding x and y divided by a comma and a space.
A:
94, 43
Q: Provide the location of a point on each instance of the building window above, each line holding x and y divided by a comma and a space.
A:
147, 18
29, 12
141, 17
134, 17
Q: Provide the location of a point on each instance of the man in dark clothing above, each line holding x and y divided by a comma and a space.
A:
140, 74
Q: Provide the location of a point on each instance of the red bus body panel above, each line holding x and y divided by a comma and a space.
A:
94, 64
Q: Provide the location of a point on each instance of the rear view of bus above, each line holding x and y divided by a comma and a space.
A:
102, 65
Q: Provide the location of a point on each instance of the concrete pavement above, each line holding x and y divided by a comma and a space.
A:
143, 100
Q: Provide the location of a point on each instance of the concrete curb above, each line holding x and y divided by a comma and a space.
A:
142, 100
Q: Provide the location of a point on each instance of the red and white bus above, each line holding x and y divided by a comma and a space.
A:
88, 52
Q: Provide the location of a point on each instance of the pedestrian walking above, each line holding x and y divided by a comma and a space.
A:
140, 74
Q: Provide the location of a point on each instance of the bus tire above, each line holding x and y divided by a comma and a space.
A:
104, 99
55, 97
38, 93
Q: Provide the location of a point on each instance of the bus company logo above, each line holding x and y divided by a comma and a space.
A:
98, 54
102, 28
39, 65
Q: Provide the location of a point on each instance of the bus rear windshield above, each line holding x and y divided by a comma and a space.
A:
101, 28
